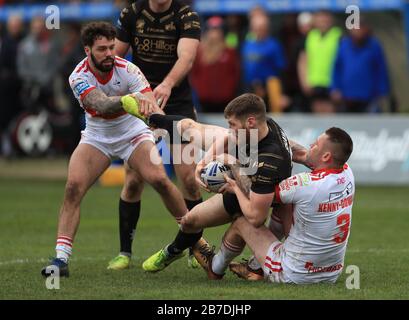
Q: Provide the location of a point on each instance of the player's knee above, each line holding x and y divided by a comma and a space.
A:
73, 191
189, 222
132, 188
191, 187
160, 183
186, 124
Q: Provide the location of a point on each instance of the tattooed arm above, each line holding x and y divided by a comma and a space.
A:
299, 153
243, 181
99, 101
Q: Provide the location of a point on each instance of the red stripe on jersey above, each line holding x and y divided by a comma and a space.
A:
273, 269
121, 59
327, 171
147, 89
120, 65
273, 262
84, 94
81, 67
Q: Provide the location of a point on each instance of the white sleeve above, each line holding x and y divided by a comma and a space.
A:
291, 189
80, 86
136, 80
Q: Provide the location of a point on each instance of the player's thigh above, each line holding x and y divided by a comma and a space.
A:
201, 135
185, 170
87, 163
146, 160
258, 239
133, 185
210, 213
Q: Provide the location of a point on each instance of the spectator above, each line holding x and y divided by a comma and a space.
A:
216, 72
37, 63
10, 84
72, 52
262, 55
317, 61
234, 31
360, 76
293, 35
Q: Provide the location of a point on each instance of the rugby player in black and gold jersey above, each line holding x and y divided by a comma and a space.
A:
164, 36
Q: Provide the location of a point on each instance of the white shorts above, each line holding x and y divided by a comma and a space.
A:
273, 270
118, 140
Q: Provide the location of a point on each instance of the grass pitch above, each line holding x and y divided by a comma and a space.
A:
378, 245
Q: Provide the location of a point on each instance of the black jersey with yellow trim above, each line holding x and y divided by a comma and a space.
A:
274, 160
154, 38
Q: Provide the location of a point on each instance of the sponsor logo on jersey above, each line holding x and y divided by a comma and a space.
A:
304, 179
81, 87
342, 194
314, 269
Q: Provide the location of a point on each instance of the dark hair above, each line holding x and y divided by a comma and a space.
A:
94, 30
343, 144
246, 105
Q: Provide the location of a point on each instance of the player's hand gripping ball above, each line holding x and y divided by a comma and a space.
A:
213, 175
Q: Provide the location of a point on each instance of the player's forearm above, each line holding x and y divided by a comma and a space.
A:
299, 153
100, 102
243, 181
179, 71
218, 147
244, 202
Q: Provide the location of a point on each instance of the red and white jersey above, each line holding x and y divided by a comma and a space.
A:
315, 248
124, 78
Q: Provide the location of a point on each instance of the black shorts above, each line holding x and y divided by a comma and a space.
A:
232, 206
231, 203
183, 108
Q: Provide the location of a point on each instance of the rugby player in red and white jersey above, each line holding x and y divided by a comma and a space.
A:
321, 201
102, 84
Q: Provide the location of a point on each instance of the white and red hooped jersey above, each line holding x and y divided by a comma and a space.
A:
315, 248
125, 78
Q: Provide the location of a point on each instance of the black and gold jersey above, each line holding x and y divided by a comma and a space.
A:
154, 38
274, 160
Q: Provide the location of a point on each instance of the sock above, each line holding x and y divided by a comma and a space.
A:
166, 122
183, 241
253, 263
225, 255
190, 204
128, 218
63, 248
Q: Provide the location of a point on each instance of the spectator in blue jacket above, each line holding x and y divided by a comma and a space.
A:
263, 57
360, 77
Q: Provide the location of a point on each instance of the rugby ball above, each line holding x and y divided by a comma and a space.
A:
213, 175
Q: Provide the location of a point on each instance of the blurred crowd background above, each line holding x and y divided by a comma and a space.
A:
299, 62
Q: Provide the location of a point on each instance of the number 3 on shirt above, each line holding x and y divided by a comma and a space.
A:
344, 222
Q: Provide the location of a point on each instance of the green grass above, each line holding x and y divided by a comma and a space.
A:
379, 246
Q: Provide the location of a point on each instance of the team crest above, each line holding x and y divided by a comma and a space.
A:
140, 24
170, 27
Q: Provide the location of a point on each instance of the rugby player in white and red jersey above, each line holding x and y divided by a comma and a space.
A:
321, 207
103, 85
